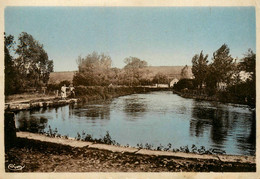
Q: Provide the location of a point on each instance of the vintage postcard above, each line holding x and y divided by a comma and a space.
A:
129, 90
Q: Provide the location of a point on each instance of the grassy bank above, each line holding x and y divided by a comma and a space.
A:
38, 156
220, 96
27, 97
93, 93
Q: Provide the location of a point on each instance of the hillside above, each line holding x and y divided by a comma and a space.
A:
57, 77
170, 71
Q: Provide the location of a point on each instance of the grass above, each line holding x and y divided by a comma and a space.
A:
26, 96
107, 139
39, 156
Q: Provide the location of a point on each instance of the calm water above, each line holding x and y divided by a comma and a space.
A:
155, 118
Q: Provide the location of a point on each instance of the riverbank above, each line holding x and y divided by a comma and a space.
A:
38, 153
83, 94
93, 93
38, 103
189, 94
219, 97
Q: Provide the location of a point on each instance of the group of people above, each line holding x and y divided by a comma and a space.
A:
71, 92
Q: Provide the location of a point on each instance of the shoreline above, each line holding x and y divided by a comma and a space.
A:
210, 162
113, 148
92, 94
85, 94
209, 98
38, 153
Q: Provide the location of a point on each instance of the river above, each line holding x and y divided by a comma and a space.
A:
157, 118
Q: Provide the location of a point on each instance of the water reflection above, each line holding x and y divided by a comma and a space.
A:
155, 118
218, 121
32, 124
135, 107
91, 111
248, 142
220, 127
212, 117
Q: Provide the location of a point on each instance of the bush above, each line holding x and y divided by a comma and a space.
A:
184, 83
54, 87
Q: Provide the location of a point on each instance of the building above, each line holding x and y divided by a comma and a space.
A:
173, 82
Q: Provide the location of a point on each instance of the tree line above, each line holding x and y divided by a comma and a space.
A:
224, 75
26, 64
96, 70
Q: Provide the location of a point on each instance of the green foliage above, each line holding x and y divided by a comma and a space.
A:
248, 64
31, 69
54, 87
107, 139
200, 68
185, 72
65, 82
160, 78
93, 70
184, 83
34, 65
221, 69
134, 71
224, 69
244, 93
12, 81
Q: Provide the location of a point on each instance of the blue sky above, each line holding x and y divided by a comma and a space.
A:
163, 36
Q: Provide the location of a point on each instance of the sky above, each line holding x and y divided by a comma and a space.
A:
162, 36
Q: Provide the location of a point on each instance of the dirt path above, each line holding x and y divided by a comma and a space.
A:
19, 98
39, 156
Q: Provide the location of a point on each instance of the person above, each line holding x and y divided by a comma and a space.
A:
63, 91
72, 92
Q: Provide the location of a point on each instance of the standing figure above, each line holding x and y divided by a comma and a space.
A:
63, 91
72, 92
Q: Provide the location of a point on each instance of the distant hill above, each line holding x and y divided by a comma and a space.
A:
171, 71
57, 77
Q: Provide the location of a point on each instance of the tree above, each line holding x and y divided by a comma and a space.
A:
184, 84
133, 70
185, 72
94, 69
248, 64
160, 78
33, 62
220, 70
12, 83
200, 68
113, 75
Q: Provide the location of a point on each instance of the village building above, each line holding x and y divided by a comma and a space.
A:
173, 82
